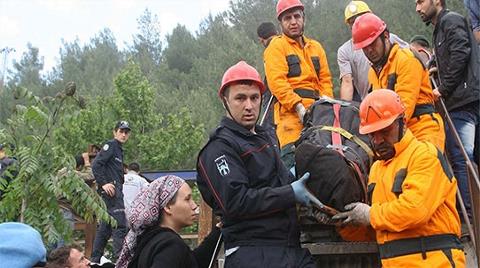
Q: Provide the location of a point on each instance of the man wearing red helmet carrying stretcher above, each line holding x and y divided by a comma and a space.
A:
412, 192
399, 70
241, 177
297, 73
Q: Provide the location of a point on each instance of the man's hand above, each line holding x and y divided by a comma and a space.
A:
357, 213
437, 94
300, 190
300, 111
109, 189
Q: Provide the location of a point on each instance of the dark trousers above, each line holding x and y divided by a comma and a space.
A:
269, 256
116, 209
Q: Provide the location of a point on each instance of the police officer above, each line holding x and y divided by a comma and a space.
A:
241, 176
108, 171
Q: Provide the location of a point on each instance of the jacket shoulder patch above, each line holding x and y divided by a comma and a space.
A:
106, 147
222, 165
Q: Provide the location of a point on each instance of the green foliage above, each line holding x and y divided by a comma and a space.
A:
34, 193
160, 139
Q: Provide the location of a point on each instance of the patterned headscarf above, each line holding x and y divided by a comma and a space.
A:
145, 211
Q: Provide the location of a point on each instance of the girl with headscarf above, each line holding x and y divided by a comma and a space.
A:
157, 215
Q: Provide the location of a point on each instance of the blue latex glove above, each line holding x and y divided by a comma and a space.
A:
300, 190
292, 170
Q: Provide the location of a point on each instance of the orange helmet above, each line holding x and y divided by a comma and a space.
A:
284, 5
366, 29
238, 72
379, 110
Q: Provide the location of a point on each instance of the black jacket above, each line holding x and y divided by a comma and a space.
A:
458, 61
107, 167
241, 176
163, 247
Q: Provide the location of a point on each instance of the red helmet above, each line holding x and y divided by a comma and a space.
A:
284, 5
238, 72
366, 29
379, 110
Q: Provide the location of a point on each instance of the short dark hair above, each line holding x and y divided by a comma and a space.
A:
266, 30
134, 166
58, 258
421, 40
79, 161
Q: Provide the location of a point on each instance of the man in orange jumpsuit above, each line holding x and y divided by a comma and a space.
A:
413, 198
400, 70
297, 73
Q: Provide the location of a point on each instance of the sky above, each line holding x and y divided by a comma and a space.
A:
45, 23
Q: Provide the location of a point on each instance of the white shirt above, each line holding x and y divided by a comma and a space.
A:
131, 187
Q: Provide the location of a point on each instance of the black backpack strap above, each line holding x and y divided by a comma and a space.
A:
316, 64
400, 177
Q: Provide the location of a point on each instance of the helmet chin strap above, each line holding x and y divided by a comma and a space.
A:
401, 128
379, 64
225, 105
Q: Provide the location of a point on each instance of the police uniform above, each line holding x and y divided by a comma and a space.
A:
241, 176
108, 168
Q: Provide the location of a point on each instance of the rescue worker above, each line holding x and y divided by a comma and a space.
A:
398, 69
352, 63
297, 73
107, 169
458, 62
266, 31
413, 192
241, 176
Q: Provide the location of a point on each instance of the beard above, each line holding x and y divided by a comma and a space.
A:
383, 151
428, 15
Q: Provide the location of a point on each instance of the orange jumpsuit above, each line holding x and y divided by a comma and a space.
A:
405, 74
288, 66
419, 203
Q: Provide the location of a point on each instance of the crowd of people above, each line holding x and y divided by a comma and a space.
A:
245, 172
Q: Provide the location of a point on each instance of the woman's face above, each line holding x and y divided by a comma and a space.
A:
184, 209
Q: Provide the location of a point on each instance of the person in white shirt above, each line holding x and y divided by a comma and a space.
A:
132, 185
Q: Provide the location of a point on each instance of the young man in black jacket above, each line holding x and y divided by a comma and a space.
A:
241, 176
458, 63
107, 169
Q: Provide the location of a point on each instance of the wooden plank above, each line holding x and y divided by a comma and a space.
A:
205, 221
89, 231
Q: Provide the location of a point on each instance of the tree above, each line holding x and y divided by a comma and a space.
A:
32, 196
93, 65
147, 45
160, 139
26, 73
181, 50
